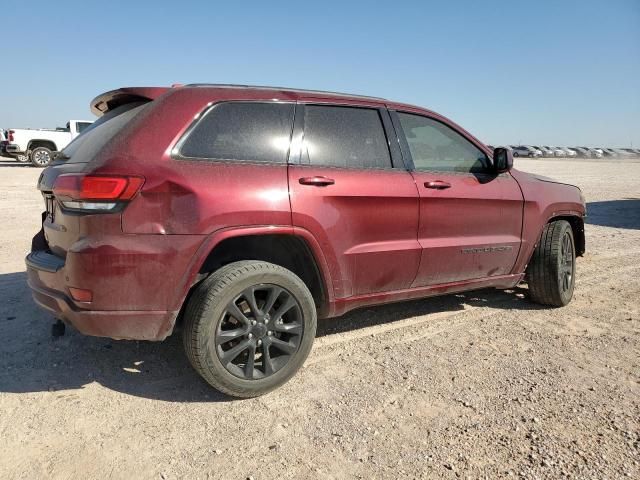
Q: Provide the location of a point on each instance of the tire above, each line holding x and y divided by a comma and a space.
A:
212, 335
41, 157
551, 273
516, 154
22, 158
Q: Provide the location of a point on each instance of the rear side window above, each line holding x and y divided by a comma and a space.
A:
345, 137
249, 131
437, 147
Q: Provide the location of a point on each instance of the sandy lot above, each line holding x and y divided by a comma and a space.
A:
478, 385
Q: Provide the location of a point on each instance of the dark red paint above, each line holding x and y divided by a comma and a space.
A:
377, 236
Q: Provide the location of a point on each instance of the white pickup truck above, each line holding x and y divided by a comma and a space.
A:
39, 145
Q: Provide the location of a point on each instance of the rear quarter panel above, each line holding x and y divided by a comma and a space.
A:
182, 196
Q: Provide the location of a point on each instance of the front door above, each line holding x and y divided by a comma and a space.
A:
470, 218
346, 191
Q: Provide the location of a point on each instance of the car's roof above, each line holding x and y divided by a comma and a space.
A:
113, 98
301, 91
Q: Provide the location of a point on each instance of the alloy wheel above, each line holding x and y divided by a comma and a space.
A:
259, 332
567, 262
41, 158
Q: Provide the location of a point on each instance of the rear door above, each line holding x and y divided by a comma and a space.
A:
470, 218
350, 190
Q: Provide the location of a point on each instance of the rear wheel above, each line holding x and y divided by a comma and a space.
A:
551, 273
249, 327
516, 154
41, 157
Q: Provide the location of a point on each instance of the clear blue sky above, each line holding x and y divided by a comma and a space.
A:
551, 72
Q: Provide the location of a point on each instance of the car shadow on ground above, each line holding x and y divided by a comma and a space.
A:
31, 360
7, 162
623, 213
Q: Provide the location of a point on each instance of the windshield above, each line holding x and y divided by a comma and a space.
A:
84, 147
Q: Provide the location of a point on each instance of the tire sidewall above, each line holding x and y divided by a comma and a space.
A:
211, 315
565, 296
33, 152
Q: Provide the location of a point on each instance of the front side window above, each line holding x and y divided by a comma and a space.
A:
246, 131
437, 147
348, 137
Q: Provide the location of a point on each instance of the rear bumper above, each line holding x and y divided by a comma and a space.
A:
46, 279
12, 148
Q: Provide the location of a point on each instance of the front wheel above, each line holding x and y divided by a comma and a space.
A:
41, 157
552, 272
249, 327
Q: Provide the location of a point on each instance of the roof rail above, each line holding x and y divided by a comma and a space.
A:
285, 89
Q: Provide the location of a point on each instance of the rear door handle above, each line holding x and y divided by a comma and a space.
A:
437, 185
317, 181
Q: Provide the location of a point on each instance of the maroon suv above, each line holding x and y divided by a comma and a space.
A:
245, 213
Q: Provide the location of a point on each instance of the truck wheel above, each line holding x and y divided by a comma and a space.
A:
552, 271
41, 157
249, 327
22, 158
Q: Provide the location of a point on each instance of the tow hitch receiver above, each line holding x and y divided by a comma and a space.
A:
58, 328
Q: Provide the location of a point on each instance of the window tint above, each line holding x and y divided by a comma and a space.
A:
345, 137
256, 132
85, 147
435, 146
82, 126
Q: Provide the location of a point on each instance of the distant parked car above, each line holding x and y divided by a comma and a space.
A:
525, 151
39, 145
537, 151
609, 152
3, 142
623, 153
570, 153
546, 151
557, 152
594, 152
634, 151
582, 152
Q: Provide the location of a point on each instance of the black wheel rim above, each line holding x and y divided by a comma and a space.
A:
566, 267
259, 332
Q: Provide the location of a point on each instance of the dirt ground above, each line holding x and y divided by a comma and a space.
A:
481, 385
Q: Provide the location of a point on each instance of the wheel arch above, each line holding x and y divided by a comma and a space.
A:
577, 227
295, 250
42, 143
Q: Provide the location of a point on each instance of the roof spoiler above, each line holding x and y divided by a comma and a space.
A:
115, 98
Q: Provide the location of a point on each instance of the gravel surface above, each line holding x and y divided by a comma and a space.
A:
480, 385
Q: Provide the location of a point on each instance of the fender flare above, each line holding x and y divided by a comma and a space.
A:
36, 140
212, 240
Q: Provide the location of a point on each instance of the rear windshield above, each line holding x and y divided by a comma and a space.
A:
85, 146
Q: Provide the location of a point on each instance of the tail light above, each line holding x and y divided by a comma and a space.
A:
10, 137
95, 192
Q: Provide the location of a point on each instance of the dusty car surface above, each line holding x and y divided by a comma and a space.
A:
245, 213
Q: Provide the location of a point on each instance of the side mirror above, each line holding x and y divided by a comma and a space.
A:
502, 160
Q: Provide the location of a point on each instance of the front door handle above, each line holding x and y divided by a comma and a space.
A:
317, 181
437, 185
